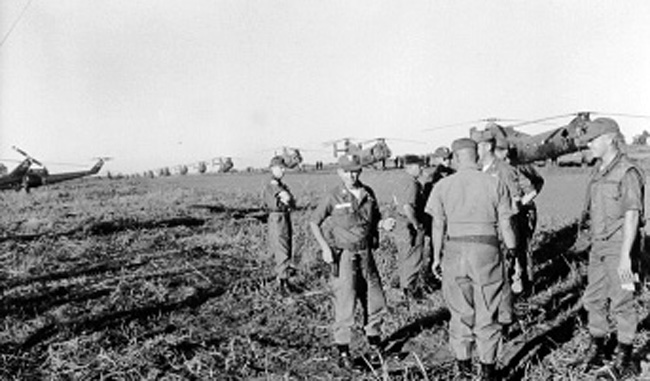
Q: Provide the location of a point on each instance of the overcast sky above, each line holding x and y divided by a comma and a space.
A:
160, 82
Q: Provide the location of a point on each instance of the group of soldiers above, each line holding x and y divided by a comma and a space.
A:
474, 214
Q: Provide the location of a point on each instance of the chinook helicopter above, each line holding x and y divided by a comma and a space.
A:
38, 177
223, 164
15, 179
292, 157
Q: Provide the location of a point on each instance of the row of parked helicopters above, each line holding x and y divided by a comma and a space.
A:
523, 149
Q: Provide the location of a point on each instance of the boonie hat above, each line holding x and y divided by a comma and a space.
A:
412, 159
600, 126
463, 143
442, 152
350, 163
277, 160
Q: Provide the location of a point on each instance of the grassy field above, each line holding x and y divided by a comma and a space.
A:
167, 279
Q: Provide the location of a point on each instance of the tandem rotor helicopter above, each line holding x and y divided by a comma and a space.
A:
25, 177
549, 145
377, 153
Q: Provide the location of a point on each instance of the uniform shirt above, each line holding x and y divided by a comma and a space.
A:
271, 197
412, 193
530, 173
616, 189
353, 220
517, 184
470, 202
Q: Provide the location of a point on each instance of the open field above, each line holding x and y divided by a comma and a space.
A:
165, 279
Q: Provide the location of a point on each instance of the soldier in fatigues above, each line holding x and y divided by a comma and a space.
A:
517, 186
530, 183
409, 230
614, 206
279, 202
354, 213
469, 209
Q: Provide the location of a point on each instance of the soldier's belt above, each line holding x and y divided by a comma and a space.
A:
491, 240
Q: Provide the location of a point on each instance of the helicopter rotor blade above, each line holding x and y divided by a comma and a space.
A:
27, 156
540, 121
621, 114
481, 120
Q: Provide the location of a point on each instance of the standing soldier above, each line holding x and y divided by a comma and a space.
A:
279, 202
530, 184
517, 186
614, 206
409, 232
354, 214
469, 208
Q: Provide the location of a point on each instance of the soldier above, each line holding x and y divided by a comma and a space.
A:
279, 202
530, 184
354, 214
614, 207
517, 186
441, 161
469, 208
409, 231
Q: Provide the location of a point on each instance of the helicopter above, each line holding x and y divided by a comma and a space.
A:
38, 177
378, 152
292, 157
224, 164
16, 178
549, 145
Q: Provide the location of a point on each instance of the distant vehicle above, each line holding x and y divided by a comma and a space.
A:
38, 177
292, 157
16, 178
378, 152
223, 164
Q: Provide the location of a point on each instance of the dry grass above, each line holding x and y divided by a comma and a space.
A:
125, 280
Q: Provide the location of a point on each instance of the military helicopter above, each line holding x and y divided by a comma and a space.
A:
38, 177
549, 145
223, 164
15, 179
292, 157
378, 152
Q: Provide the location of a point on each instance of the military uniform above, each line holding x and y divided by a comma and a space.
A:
471, 205
354, 234
279, 225
409, 236
611, 192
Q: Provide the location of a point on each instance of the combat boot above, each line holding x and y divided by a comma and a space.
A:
345, 359
464, 371
595, 357
623, 367
488, 372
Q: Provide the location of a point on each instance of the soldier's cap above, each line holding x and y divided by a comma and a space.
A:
277, 161
412, 159
350, 163
463, 143
442, 152
482, 136
598, 127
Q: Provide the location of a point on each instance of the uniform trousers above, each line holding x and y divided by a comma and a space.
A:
472, 284
358, 279
279, 241
410, 248
604, 284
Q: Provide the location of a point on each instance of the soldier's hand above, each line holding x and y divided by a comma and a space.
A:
625, 270
388, 224
436, 270
327, 254
285, 197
